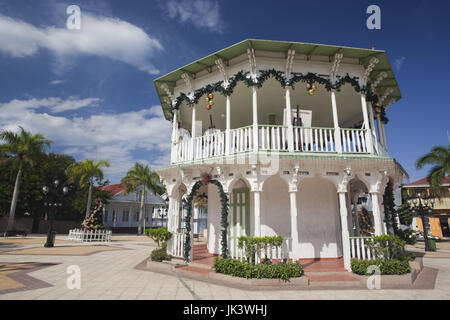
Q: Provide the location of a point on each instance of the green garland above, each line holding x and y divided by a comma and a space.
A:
224, 219
279, 76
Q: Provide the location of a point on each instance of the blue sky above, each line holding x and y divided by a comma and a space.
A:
92, 93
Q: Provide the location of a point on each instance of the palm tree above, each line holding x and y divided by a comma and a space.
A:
21, 149
141, 175
85, 172
439, 156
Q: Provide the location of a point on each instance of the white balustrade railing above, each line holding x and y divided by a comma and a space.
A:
208, 146
89, 235
359, 250
241, 140
273, 138
314, 139
177, 247
353, 140
278, 254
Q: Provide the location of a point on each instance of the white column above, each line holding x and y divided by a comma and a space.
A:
193, 133
290, 132
228, 128
376, 211
383, 134
366, 125
257, 213
355, 210
345, 234
294, 230
255, 119
337, 130
380, 138
373, 137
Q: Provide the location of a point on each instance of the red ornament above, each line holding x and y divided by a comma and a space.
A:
205, 178
208, 107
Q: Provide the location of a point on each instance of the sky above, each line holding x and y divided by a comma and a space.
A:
91, 90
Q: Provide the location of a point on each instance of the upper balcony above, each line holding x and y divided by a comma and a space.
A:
279, 97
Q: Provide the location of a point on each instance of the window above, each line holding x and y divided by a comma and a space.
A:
106, 215
136, 216
114, 217
125, 215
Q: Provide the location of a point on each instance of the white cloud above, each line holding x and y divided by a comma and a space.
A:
201, 13
100, 36
55, 105
112, 137
398, 63
57, 81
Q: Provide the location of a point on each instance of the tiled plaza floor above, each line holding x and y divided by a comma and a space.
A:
111, 275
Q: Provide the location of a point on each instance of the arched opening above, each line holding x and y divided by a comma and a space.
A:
318, 223
360, 206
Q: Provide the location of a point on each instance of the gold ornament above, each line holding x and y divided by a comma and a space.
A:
211, 103
314, 87
210, 96
311, 92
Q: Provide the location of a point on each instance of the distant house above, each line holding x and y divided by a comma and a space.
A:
121, 214
439, 220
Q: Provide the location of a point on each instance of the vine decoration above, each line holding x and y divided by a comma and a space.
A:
310, 77
223, 221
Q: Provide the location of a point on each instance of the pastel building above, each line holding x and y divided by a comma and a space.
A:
121, 214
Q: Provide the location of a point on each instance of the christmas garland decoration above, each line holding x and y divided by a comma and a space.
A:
279, 76
223, 222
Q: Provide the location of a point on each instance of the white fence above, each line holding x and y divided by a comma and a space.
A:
273, 138
359, 250
314, 139
177, 247
241, 139
353, 140
89, 236
279, 254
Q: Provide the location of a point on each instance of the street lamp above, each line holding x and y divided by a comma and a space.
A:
53, 197
162, 213
423, 205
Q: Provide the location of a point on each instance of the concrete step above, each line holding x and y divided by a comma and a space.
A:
332, 279
199, 270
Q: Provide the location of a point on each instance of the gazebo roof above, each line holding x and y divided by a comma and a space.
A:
364, 56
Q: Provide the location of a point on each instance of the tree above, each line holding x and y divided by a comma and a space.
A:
439, 157
389, 208
85, 172
141, 175
405, 215
21, 149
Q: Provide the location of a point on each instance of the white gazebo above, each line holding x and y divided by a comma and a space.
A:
286, 133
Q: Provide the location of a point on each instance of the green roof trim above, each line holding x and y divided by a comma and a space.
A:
364, 55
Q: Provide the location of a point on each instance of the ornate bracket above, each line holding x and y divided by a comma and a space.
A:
380, 78
335, 66
289, 61
372, 63
188, 82
221, 66
385, 94
252, 61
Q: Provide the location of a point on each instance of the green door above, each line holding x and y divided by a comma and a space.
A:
240, 224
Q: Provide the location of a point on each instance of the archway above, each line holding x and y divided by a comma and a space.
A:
223, 221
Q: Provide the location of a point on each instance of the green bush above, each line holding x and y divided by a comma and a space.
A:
387, 246
432, 244
393, 266
160, 255
244, 269
160, 235
254, 244
407, 235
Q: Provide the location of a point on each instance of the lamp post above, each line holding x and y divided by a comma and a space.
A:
162, 214
52, 202
422, 205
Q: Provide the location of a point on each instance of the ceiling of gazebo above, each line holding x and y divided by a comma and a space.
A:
308, 49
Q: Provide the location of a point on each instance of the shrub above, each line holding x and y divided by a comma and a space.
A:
407, 235
255, 244
393, 266
244, 269
387, 247
160, 235
432, 244
160, 255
